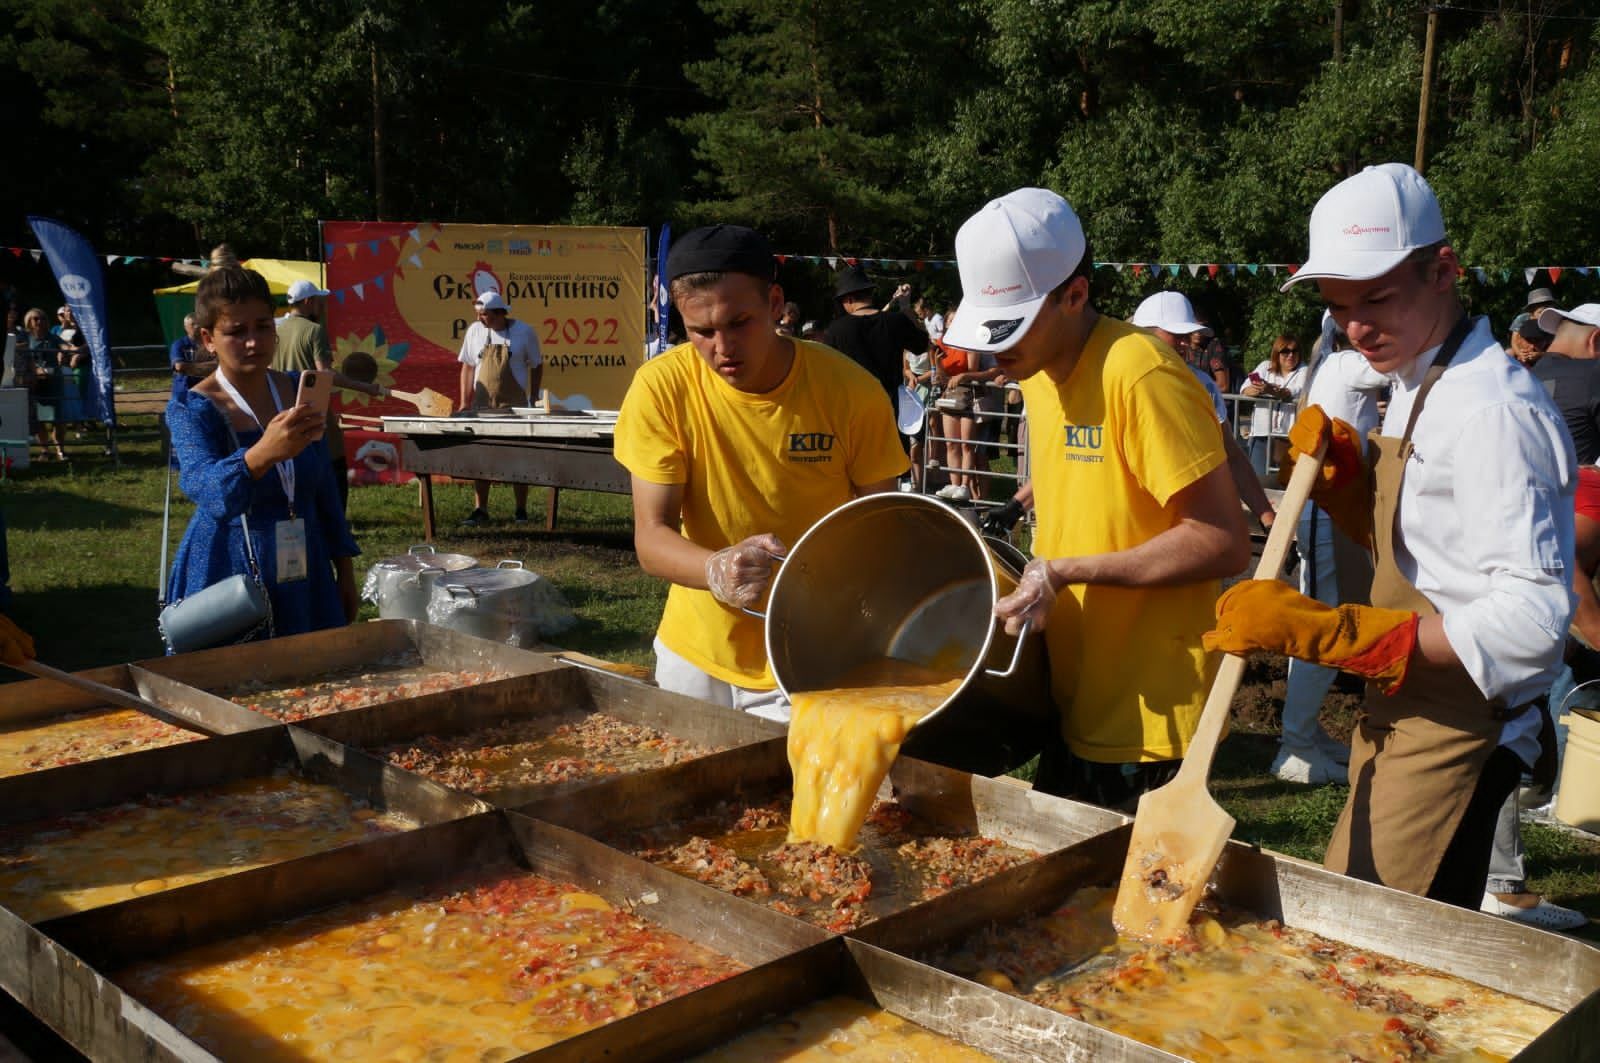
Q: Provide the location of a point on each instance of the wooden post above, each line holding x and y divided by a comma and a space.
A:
377, 141
1427, 90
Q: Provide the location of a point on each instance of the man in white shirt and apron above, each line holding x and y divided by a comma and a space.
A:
501, 367
1465, 498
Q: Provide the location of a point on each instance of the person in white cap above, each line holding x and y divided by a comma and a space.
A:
303, 345
1466, 499
1138, 520
1571, 373
501, 367
1171, 317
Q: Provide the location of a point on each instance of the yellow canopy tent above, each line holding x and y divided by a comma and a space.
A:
173, 303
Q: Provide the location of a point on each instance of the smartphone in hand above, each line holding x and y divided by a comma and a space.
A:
316, 389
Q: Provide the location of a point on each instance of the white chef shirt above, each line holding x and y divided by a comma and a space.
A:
1346, 386
518, 335
1486, 520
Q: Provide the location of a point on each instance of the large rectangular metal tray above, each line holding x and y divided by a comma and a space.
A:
949, 799
37, 702
544, 694
200, 680
225, 759
1548, 969
57, 968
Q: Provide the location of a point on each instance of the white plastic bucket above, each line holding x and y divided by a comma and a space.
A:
1578, 799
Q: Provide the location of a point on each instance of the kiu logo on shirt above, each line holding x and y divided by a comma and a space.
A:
811, 446
1083, 442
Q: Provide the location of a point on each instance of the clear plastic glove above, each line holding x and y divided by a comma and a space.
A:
738, 576
1031, 602
16, 645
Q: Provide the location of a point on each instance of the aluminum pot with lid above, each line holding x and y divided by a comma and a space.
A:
907, 576
400, 586
491, 603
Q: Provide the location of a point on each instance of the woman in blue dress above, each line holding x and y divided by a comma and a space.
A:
273, 467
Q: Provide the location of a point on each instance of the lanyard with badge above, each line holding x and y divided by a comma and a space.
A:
289, 536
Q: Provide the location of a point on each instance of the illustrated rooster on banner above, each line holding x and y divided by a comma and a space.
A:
484, 279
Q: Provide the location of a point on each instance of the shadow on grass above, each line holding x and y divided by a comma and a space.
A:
84, 627
52, 510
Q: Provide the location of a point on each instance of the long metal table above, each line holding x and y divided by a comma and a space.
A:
545, 450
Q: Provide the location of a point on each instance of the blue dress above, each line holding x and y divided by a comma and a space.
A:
213, 474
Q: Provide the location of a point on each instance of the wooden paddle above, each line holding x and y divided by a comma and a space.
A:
106, 693
1180, 830
360, 365
428, 402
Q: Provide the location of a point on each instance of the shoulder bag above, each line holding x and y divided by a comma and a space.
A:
226, 612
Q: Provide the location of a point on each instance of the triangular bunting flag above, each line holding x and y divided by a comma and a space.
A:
339, 295
415, 260
1555, 274
1293, 268
833, 263
1479, 275
919, 265
1138, 269
416, 236
1584, 271
1529, 272
379, 282
399, 271
329, 249
1212, 269
1252, 267
852, 261
35, 252
360, 294
127, 260
1272, 268
1233, 269
781, 259
396, 241
1172, 268
350, 249
111, 260
1194, 269
372, 245
433, 245
1505, 275
15, 251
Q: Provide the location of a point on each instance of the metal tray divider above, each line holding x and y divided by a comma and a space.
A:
207, 712
32, 700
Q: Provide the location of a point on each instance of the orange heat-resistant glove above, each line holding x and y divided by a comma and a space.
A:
1266, 614
1343, 487
16, 645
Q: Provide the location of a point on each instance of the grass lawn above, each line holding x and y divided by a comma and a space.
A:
85, 537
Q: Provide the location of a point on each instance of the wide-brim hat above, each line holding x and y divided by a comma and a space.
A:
852, 279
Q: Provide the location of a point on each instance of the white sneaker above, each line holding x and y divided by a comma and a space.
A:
1308, 767
954, 493
1544, 915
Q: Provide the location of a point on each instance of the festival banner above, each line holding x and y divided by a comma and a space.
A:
404, 292
82, 281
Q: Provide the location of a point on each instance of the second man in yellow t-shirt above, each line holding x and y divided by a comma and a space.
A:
1138, 519
738, 441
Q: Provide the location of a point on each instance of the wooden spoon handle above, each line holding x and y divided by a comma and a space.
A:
106, 693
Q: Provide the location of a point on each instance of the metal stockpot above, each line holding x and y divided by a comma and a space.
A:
401, 585
906, 576
497, 603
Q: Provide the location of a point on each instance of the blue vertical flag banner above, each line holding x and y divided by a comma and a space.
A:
82, 281
663, 309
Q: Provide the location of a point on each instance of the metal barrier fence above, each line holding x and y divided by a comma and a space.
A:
1000, 417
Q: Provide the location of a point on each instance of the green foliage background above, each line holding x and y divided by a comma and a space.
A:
1181, 130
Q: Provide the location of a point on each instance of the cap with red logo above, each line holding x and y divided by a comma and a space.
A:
1366, 225
1011, 255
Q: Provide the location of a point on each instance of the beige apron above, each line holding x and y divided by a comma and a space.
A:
1416, 755
495, 386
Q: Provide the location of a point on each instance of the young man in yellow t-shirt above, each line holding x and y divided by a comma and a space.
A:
738, 441
1138, 517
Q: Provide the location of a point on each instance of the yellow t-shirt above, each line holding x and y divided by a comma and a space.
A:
1128, 430
776, 462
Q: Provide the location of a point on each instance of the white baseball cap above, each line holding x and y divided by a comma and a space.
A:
300, 291
1169, 311
1366, 225
492, 301
1012, 254
1551, 317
